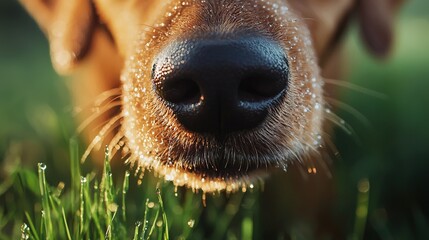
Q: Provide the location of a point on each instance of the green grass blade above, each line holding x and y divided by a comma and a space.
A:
225, 219
107, 191
109, 232
164, 215
125, 187
32, 228
361, 209
145, 218
44, 192
152, 228
160, 231
82, 211
136, 230
247, 228
75, 171
92, 208
66, 226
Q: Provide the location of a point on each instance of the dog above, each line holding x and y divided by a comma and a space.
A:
212, 94
215, 95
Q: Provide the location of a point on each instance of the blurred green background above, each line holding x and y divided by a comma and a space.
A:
392, 152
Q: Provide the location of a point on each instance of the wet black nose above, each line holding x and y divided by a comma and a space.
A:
219, 86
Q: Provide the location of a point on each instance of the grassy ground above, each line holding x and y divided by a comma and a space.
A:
381, 177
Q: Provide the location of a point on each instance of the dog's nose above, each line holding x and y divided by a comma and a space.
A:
219, 86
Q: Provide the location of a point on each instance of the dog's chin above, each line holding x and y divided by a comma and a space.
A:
208, 163
234, 156
212, 170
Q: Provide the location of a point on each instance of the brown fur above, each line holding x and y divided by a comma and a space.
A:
104, 39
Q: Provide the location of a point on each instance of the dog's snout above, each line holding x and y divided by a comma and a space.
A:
219, 86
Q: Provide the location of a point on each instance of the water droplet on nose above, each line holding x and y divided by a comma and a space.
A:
284, 10
317, 106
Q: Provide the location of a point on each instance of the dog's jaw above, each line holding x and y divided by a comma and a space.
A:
291, 134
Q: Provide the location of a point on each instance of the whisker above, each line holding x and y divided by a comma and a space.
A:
125, 153
298, 157
114, 92
356, 88
147, 26
106, 95
97, 114
311, 19
114, 142
109, 131
331, 146
335, 119
316, 158
99, 137
326, 158
353, 111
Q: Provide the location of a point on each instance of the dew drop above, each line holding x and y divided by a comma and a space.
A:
159, 223
42, 166
112, 207
191, 223
83, 180
25, 231
364, 185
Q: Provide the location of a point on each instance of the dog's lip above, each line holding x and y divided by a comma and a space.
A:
221, 161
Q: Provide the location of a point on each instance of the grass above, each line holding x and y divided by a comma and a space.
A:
99, 212
108, 207
113, 207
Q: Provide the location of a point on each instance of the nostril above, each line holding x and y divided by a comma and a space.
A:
179, 91
262, 86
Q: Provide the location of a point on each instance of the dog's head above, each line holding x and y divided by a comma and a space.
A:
215, 92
